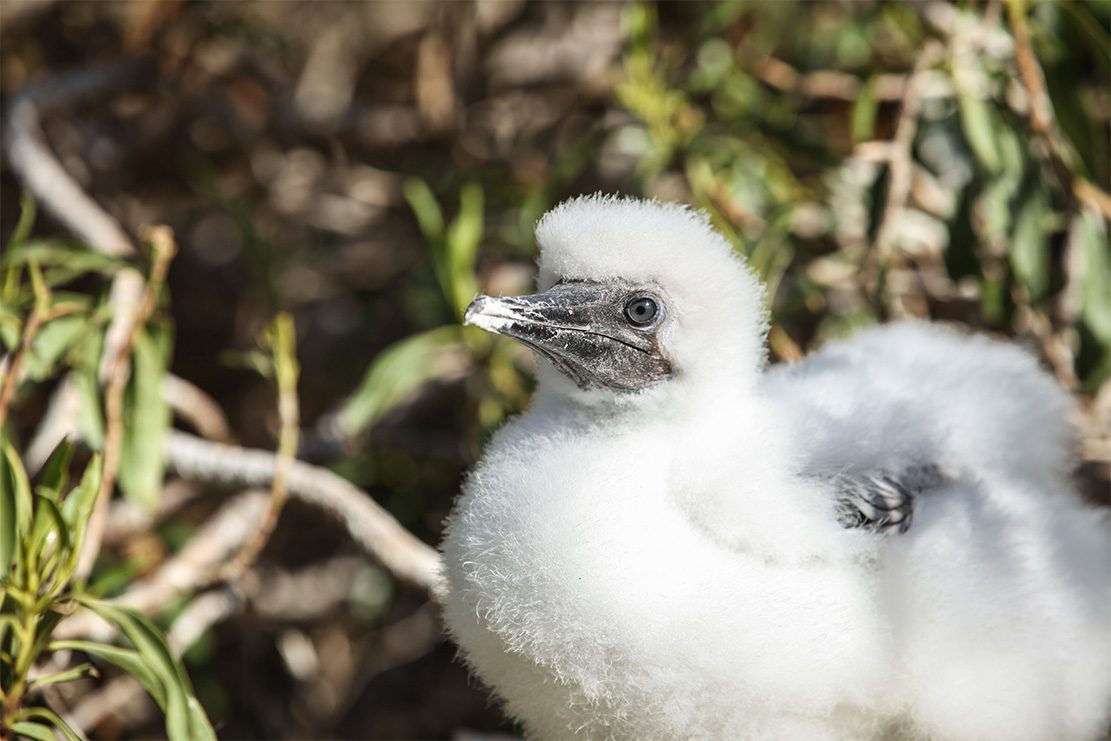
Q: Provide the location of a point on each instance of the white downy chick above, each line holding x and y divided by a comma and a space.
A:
676, 542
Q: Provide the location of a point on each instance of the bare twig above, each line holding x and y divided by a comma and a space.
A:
1042, 120
369, 525
10, 381
281, 341
53, 188
162, 244
900, 166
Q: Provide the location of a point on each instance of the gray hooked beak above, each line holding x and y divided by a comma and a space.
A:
585, 329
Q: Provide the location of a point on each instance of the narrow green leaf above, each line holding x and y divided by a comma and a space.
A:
200, 727
55, 472
1029, 247
979, 129
32, 730
78, 672
78, 507
47, 622
27, 212
10, 505
126, 659
147, 419
152, 646
14, 484
463, 238
865, 108
430, 218
51, 717
90, 417
1096, 281
53, 340
398, 371
49, 536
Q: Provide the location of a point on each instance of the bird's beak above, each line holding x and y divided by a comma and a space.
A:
580, 327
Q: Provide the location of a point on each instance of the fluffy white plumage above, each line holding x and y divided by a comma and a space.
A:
669, 562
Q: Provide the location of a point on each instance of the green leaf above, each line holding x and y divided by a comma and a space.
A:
32, 730
398, 371
430, 218
52, 718
53, 340
47, 622
55, 472
147, 418
62, 260
78, 672
78, 507
26, 221
463, 238
49, 537
90, 417
865, 108
78, 504
1029, 247
1095, 287
16, 504
126, 659
978, 121
182, 721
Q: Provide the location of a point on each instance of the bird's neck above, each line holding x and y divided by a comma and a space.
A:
723, 458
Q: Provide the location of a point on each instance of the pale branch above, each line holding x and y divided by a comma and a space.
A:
370, 526
163, 248
40, 171
900, 166
199, 410
280, 338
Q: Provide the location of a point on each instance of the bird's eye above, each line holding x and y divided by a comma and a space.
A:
641, 311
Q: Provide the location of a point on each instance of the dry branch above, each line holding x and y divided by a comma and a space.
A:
369, 525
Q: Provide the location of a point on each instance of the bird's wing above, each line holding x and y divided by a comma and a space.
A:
881, 500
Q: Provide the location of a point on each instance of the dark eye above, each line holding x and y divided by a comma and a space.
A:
641, 311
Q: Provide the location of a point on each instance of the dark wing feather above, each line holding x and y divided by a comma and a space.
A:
882, 500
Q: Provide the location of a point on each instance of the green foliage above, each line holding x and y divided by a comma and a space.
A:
760, 111
43, 527
447, 351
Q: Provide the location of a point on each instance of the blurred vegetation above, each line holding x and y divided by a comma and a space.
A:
369, 167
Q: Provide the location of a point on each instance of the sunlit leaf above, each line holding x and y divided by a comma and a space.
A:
461, 243
979, 129
33, 730
1096, 278
52, 341
25, 224
126, 659
1029, 246
54, 477
78, 672
52, 718
49, 536
78, 507
864, 113
16, 504
398, 371
183, 721
147, 418
425, 207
